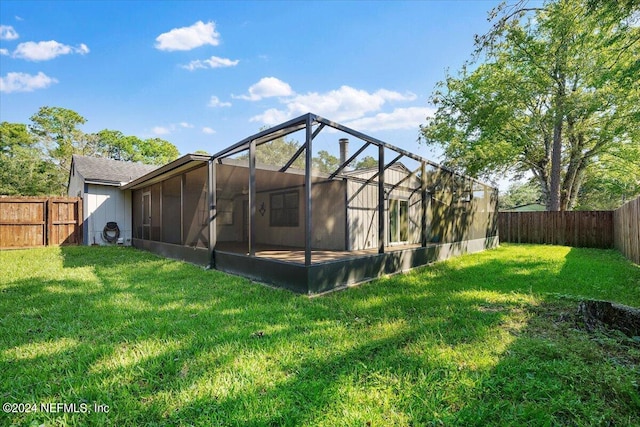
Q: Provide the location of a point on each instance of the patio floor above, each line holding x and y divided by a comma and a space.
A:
296, 254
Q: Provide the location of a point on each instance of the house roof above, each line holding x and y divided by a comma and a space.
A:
96, 170
186, 162
363, 171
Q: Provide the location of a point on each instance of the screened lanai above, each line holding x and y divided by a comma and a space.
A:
312, 205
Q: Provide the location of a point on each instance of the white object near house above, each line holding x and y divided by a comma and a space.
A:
97, 181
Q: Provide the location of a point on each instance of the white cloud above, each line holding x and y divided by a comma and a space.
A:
4, 52
83, 49
22, 82
160, 130
267, 87
8, 33
272, 116
165, 130
400, 118
187, 38
343, 104
208, 130
213, 62
391, 95
44, 51
215, 102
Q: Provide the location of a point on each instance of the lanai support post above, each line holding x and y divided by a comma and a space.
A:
424, 204
307, 192
381, 227
252, 198
213, 236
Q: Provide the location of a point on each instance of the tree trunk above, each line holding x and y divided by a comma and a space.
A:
618, 316
558, 122
556, 158
576, 188
543, 181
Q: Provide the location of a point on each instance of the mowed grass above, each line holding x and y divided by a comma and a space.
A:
484, 339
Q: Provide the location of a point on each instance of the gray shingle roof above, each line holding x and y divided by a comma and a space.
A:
108, 170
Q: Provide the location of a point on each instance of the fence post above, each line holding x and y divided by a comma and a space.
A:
47, 220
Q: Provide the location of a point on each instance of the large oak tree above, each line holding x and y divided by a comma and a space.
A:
551, 91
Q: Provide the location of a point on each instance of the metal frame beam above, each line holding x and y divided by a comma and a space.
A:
299, 123
381, 169
252, 197
406, 178
349, 160
424, 204
375, 175
213, 231
301, 149
307, 192
378, 142
266, 135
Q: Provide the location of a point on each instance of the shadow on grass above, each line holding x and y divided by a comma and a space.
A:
167, 343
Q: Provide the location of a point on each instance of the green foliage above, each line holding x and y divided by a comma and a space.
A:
609, 183
57, 131
115, 145
519, 194
277, 153
22, 168
154, 151
366, 162
550, 95
485, 339
35, 160
325, 162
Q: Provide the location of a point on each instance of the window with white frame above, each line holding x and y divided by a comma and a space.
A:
398, 221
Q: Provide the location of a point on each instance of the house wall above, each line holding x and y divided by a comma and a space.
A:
76, 189
76, 184
102, 204
460, 209
362, 207
328, 218
179, 212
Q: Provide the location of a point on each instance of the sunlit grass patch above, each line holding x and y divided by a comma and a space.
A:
485, 339
35, 350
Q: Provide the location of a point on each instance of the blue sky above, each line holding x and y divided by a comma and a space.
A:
204, 75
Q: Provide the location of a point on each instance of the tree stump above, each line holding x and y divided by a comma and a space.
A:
617, 316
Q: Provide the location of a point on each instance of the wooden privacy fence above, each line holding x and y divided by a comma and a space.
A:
626, 230
40, 221
592, 229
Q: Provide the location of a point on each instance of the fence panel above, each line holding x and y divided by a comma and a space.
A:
27, 222
627, 230
592, 229
22, 222
64, 220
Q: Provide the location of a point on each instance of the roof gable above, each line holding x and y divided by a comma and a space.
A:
109, 171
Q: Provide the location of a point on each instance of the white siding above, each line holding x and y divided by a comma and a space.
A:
103, 204
362, 207
362, 214
76, 185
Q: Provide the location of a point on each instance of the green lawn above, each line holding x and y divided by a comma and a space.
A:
485, 339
